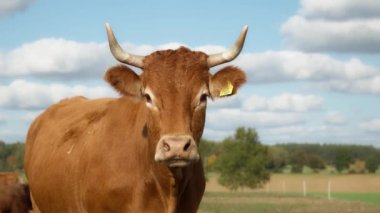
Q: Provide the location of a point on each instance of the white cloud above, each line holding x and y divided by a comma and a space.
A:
53, 56
340, 26
280, 66
340, 9
331, 35
360, 86
11, 6
371, 126
284, 102
21, 94
335, 118
324, 72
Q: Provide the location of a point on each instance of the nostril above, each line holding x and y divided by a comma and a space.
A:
187, 145
166, 147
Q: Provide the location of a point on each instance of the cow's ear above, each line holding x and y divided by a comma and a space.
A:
226, 82
124, 80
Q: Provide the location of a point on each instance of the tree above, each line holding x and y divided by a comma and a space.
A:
315, 162
297, 160
342, 159
372, 163
242, 161
278, 158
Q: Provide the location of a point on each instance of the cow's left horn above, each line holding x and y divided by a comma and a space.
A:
118, 52
230, 54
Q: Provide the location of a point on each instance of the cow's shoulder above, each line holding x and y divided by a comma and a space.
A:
74, 108
72, 117
68, 118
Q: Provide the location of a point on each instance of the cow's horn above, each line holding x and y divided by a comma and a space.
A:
230, 54
118, 52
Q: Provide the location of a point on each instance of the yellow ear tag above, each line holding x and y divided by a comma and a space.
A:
227, 89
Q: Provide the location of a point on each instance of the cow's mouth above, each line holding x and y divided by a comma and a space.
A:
178, 162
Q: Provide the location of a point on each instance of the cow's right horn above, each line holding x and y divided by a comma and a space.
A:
230, 54
118, 52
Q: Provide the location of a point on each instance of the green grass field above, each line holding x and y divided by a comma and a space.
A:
241, 202
365, 197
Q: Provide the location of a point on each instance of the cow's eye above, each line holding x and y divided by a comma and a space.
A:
202, 101
148, 99
203, 98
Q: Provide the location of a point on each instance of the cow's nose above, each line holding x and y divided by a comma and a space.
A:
174, 148
177, 144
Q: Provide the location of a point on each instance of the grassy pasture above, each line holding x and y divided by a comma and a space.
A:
366, 197
252, 202
349, 193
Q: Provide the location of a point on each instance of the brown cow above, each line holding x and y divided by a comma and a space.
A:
136, 153
8, 178
15, 198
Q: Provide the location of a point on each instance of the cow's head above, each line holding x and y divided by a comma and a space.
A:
175, 85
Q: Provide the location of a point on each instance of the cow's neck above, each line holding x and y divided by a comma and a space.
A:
180, 177
172, 183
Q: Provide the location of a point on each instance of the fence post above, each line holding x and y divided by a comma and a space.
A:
329, 190
304, 188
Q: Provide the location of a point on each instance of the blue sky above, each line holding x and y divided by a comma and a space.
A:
313, 66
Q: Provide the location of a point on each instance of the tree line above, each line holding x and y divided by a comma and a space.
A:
336, 158
243, 161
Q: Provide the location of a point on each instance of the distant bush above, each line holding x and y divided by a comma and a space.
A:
242, 161
11, 156
372, 163
357, 167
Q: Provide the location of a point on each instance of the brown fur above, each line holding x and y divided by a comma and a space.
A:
14, 198
7, 178
98, 155
127, 83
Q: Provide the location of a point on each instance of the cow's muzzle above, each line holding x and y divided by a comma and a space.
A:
176, 150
